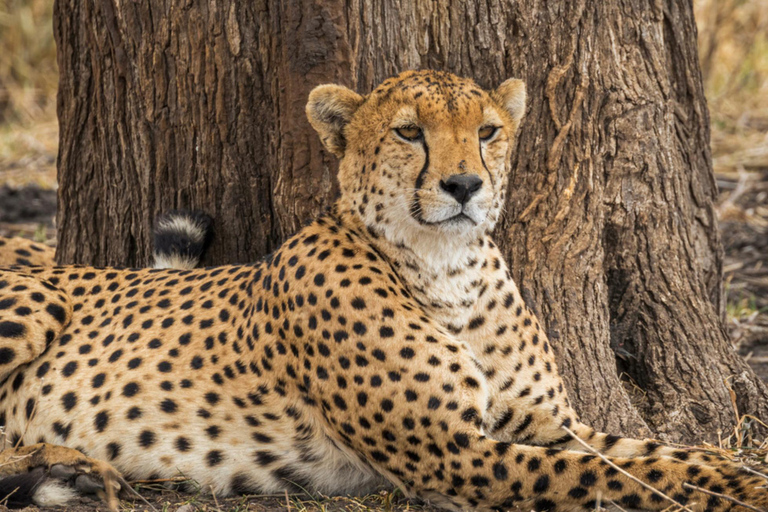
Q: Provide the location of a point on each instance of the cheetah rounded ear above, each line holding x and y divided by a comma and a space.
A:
329, 109
511, 95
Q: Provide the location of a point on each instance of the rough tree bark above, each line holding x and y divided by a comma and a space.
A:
610, 227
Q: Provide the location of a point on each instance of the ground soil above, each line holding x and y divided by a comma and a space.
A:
743, 209
173, 501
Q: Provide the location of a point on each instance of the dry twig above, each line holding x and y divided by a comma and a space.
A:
722, 496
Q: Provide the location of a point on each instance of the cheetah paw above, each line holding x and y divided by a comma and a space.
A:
53, 475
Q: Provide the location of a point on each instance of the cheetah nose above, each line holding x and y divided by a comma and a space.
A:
462, 186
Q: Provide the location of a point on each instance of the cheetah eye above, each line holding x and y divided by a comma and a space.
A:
487, 132
409, 133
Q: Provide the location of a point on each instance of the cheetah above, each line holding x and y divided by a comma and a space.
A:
384, 344
24, 252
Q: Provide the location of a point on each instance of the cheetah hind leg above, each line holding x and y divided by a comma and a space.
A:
46, 475
33, 313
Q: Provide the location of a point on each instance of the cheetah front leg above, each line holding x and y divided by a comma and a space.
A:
528, 402
420, 421
33, 313
46, 474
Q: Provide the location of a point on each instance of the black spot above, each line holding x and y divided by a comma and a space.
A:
130, 389
17, 381
541, 485
57, 312
168, 406
7, 355
69, 368
633, 501
30, 408
98, 380
146, 438
476, 322
10, 329
588, 479
43, 370
101, 421
578, 492
69, 401
113, 451
261, 438
480, 481
214, 458
264, 458
500, 471
61, 430
655, 475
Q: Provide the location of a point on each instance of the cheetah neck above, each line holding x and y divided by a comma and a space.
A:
445, 275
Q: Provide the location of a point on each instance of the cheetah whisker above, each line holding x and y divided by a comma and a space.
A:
623, 472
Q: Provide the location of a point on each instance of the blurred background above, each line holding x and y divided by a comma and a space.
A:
733, 48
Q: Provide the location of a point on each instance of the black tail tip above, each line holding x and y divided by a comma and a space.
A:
181, 238
17, 491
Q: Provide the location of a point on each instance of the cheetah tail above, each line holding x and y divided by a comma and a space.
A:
33, 488
181, 238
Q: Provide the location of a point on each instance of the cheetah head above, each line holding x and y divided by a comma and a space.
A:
425, 157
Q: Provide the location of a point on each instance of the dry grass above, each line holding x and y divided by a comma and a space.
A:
28, 72
28, 81
733, 46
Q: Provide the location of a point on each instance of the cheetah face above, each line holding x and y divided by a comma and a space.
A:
425, 156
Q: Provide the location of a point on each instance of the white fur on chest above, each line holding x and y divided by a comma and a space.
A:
450, 287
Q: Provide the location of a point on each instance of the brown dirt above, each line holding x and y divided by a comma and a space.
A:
172, 501
743, 212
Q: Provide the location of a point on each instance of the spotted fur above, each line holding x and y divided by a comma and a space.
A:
180, 239
383, 344
21, 251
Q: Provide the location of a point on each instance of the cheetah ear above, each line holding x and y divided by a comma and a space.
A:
329, 109
511, 96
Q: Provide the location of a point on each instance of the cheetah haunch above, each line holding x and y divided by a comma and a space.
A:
384, 342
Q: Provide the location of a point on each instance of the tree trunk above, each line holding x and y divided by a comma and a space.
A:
610, 227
